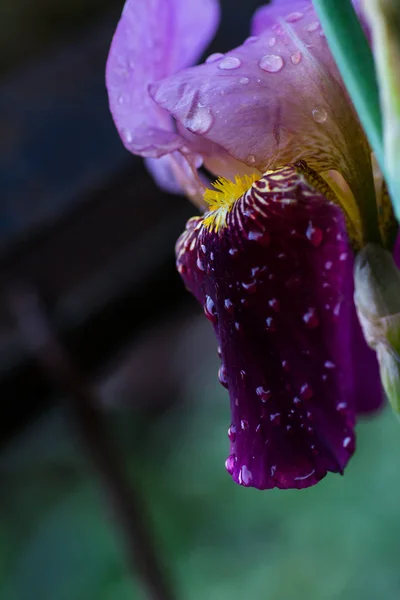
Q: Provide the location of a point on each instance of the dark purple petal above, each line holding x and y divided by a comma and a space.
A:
276, 283
274, 100
152, 40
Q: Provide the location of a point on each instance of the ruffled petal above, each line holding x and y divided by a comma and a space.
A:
274, 100
275, 281
152, 40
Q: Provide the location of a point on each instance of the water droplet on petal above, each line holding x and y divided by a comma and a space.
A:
214, 57
245, 476
229, 62
223, 376
251, 159
263, 393
244, 425
329, 365
293, 17
200, 121
251, 287
314, 234
261, 237
319, 114
273, 470
275, 418
270, 324
285, 365
306, 392
343, 256
296, 57
232, 433
274, 304
128, 137
341, 406
244, 80
209, 309
230, 463
348, 443
233, 251
313, 26
311, 319
200, 264
272, 42
272, 63
229, 305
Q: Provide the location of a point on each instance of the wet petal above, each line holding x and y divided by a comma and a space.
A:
276, 283
274, 100
153, 40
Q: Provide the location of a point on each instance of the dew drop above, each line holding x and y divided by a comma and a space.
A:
223, 376
244, 80
251, 287
232, 433
285, 365
272, 63
296, 57
343, 256
128, 137
329, 365
261, 237
293, 17
289, 428
245, 476
314, 449
274, 304
319, 114
229, 62
313, 26
209, 309
242, 374
311, 319
328, 265
296, 401
244, 425
219, 351
230, 463
228, 305
272, 42
214, 57
238, 326
251, 159
314, 234
200, 121
273, 470
264, 394
203, 249
270, 324
341, 407
275, 418
306, 392
233, 251
200, 264
347, 443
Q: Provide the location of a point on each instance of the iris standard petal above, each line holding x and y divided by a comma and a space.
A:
274, 274
153, 39
274, 100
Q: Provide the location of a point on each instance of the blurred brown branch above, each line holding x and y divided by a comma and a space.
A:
126, 505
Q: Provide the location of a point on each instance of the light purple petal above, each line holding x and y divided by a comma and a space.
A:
276, 283
153, 39
274, 100
267, 15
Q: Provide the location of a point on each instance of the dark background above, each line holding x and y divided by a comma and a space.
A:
84, 227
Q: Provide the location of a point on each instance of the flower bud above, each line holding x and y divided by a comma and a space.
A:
377, 300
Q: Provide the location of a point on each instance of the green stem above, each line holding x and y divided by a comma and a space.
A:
353, 56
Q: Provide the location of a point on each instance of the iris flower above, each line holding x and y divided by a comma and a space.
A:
265, 141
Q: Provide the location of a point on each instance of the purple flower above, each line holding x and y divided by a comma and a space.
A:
271, 260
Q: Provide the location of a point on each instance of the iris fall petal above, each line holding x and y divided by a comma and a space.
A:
276, 280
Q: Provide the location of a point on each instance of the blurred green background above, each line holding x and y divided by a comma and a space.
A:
339, 540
